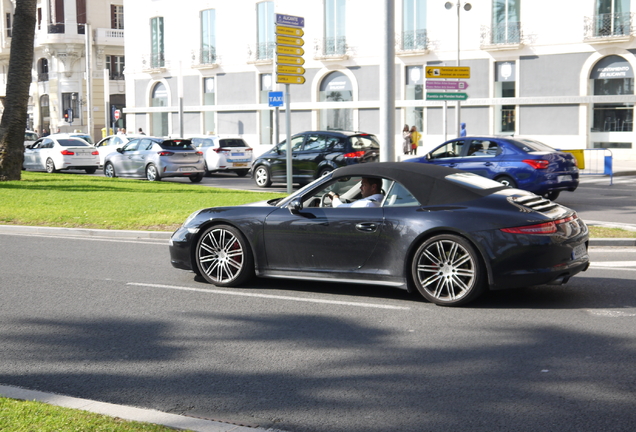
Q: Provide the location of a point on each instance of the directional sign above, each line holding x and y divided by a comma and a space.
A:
285, 40
291, 61
290, 20
294, 70
289, 31
283, 49
276, 99
290, 79
446, 85
446, 96
447, 72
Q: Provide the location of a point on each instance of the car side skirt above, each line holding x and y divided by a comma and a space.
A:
321, 277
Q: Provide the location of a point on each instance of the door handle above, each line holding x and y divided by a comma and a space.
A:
488, 164
452, 165
367, 226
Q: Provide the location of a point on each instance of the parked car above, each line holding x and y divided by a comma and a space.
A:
86, 137
54, 153
447, 233
314, 154
30, 137
224, 153
156, 158
111, 143
517, 162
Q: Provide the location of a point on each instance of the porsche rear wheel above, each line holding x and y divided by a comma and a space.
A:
447, 270
224, 257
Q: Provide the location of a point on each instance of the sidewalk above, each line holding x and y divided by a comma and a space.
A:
127, 412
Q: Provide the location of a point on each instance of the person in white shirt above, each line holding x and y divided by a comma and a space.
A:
371, 189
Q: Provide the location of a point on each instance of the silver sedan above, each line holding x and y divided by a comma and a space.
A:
156, 158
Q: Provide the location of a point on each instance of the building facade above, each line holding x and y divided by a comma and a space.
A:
560, 72
68, 32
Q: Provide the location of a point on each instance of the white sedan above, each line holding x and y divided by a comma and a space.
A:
224, 153
111, 143
55, 154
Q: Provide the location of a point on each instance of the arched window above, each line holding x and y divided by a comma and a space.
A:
336, 87
613, 75
43, 69
44, 107
159, 98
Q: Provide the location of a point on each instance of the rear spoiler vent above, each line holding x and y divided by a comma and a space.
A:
528, 203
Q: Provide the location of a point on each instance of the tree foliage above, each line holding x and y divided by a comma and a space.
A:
14, 117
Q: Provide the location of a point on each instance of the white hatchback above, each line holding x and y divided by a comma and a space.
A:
224, 153
55, 153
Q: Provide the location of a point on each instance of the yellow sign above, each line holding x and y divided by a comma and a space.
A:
284, 40
290, 79
447, 72
291, 61
282, 49
289, 31
296, 70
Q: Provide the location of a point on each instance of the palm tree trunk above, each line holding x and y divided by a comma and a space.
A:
14, 117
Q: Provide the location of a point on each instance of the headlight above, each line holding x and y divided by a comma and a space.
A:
191, 218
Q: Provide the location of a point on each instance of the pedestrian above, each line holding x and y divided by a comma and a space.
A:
462, 130
141, 132
45, 133
406, 140
415, 139
121, 131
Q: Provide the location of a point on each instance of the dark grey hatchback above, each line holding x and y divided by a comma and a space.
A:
314, 154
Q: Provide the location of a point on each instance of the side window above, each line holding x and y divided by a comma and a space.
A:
132, 145
47, 143
451, 149
336, 144
315, 143
145, 144
483, 148
296, 143
398, 196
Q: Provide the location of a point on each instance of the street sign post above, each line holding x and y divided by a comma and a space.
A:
276, 99
447, 72
446, 96
290, 60
296, 70
288, 50
290, 79
290, 20
446, 85
289, 31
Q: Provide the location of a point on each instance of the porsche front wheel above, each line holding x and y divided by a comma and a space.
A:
224, 257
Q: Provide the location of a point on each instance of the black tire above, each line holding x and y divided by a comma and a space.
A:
109, 170
242, 172
262, 177
507, 181
552, 195
196, 178
152, 173
90, 170
448, 271
223, 256
50, 166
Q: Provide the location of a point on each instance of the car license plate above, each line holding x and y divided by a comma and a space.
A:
563, 178
187, 169
579, 251
238, 165
237, 154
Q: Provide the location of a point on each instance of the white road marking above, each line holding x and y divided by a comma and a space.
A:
274, 297
615, 264
611, 313
160, 242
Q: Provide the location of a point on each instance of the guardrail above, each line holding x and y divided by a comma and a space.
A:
597, 162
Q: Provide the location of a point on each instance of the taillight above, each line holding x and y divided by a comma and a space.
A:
537, 163
165, 153
542, 228
249, 149
67, 152
200, 153
95, 153
221, 150
357, 154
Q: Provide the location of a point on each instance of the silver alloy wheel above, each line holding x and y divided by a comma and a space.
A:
109, 170
151, 173
445, 270
50, 166
261, 176
220, 256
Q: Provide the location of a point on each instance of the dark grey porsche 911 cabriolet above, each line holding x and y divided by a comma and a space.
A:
446, 233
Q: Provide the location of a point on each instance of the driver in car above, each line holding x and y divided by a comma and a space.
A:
371, 189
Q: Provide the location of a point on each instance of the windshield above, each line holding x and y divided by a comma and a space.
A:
30, 136
176, 145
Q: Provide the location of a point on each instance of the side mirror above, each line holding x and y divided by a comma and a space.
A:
428, 156
120, 149
295, 206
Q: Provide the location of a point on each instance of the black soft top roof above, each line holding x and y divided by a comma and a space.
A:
427, 182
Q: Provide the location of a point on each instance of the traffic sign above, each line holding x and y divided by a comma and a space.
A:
291, 61
289, 31
283, 49
290, 20
447, 72
446, 85
446, 96
290, 79
276, 99
117, 114
294, 70
285, 40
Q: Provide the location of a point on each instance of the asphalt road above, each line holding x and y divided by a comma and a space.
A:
111, 320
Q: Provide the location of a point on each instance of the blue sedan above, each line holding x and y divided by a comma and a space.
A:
517, 162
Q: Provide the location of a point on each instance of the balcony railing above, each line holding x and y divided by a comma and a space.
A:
261, 52
116, 76
602, 26
56, 28
153, 61
331, 47
205, 57
412, 41
501, 35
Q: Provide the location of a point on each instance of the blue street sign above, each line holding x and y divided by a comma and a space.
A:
276, 99
289, 20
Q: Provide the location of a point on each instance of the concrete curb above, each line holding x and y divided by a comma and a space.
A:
125, 412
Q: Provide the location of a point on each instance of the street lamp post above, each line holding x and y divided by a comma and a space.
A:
467, 7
